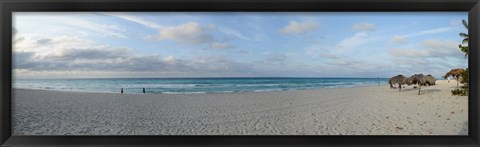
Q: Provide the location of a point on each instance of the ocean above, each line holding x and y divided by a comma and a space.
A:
193, 85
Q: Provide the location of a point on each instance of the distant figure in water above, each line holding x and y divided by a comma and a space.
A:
143, 90
121, 91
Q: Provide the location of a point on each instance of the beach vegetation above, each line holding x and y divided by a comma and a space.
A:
462, 75
462, 46
455, 73
459, 92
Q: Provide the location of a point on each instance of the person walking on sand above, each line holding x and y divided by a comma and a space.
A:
121, 91
143, 90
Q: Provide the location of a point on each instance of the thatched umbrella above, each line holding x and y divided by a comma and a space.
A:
430, 80
418, 79
399, 79
456, 73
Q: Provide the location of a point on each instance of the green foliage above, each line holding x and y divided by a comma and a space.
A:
461, 91
464, 49
465, 23
464, 77
456, 92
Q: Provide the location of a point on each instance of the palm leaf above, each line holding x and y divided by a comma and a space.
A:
465, 24
464, 49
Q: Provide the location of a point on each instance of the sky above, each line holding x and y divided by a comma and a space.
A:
235, 44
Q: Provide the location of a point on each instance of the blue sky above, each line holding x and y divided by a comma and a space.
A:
243, 44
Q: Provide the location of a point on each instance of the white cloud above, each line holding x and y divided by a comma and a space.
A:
328, 55
403, 38
237, 34
364, 27
358, 39
219, 45
399, 39
430, 31
72, 57
430, 48
190, 33
295, 28
106, 30
53, 23
135, 19
169, 59
55, 45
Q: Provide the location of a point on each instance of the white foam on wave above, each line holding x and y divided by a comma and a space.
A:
159, 85
265, 90
184, 92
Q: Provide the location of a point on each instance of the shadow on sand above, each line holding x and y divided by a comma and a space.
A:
429, 91
456, 86
422, 91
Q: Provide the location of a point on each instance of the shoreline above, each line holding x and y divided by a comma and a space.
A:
193, 93
371, 110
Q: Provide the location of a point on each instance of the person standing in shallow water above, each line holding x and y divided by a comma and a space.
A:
143, 90
121, 91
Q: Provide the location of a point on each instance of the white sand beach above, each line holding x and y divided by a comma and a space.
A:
342, 111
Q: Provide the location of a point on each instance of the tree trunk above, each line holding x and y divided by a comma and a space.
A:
458, 79
419, 88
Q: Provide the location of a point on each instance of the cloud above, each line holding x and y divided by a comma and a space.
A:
296, 28
237, 34
399, 39
135, 19
53, 23
170, 60
104, 30
73, 56
276, 57
56, 45
319, 52
430, 31
357, 39
98, 52
243, 52
431, 56
190, 33
328, 55
43, 41
430, 48
219, 45
61, 53
23, 60
364, 27
346, 62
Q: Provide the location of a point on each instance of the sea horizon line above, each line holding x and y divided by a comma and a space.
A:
201, 78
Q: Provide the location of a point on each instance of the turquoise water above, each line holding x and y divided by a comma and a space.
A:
194, 85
